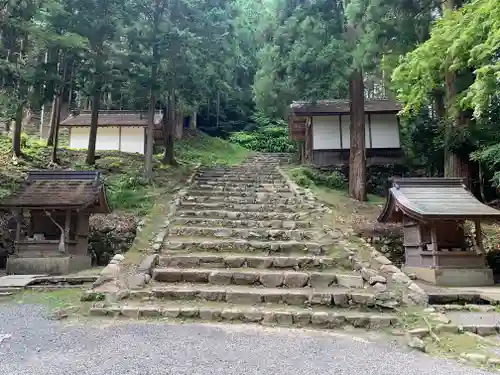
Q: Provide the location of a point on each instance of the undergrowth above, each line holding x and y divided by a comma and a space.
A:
309, 177
126, 189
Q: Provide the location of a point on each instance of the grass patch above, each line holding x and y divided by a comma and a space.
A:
52, 300
127, 192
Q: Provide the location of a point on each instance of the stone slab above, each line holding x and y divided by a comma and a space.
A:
48, 265
474, 318
453, 277
17, 281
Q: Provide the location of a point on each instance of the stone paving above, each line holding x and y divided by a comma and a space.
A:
243, 246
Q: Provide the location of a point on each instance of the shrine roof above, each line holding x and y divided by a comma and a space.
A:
342, 106
60, 190
427, 198
111, 118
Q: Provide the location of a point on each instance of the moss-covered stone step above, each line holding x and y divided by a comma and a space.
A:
252, 224
240, 194
251, 295
243, 215
240, 189
234, 245
258, 261
270, 315
250, 234
240, 179
240, 185
239, 173
261, 207
264, 199
258, 277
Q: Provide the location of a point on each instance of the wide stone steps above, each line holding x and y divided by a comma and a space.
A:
251, 295
249, 234
237, 189
268, 315
246, 173
209, 184
259, 207
228, 245
243, 215
258, 277
241, 179
251, 224
256, 261
240, 194
267, 199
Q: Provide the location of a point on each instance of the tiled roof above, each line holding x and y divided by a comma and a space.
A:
60, 189
342, 106
111, 118
433, 199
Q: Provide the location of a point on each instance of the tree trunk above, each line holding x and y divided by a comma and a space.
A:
193, 124
53, 115
53, 158
168, 133
148, 168
357, 157
94, 119
16, 132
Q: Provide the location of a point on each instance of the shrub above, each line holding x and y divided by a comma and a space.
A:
266, 136
306, 177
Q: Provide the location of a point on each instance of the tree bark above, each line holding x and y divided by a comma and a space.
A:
168, 133
53, 115
148, 168
94, 119
16, 132
53, 157
357, 156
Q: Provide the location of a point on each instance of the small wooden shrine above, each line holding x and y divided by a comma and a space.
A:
52, 211
433, 212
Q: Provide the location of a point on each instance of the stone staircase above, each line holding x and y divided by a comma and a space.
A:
243, 246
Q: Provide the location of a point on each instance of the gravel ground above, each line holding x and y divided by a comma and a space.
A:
40, 346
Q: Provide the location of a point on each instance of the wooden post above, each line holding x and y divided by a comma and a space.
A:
479, 236
67, 226
434, 246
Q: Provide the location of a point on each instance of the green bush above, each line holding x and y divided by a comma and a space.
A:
267, 136
307, 177
128, 192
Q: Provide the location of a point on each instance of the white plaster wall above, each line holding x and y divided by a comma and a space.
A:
108, 138
385, 131
346, 134
326, 132
79, 138
132, 140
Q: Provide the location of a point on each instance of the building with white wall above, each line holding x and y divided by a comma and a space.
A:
323, 129
116, 130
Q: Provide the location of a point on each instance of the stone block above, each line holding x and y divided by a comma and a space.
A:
319, 298
367, 273
130, 312
211, 314
284, 318
245, 278
231, 314
234, 261
271, 279
195, 276
350, 281
377, 279
148, 264
296, 279
149, 311
171, 312
260, 262
302, 318
322, 279
253, 316
485, 330
213, 295
319, 318
189, 312
285, 262
172, 276
295, 299
361, 298
271, 296
245, 298
380, 321
221, 277
340, 299
48, 265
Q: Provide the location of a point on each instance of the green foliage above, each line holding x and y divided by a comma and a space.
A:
309, 177
267, 136
201, 149
128, 192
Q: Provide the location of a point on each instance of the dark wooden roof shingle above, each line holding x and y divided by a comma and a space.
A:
60, 189
342, 106
428, 198
111, 118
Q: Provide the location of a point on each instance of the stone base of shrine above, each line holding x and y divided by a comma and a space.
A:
47, 265
459, 277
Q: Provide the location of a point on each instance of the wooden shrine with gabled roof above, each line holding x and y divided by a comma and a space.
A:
433, 212
52, 210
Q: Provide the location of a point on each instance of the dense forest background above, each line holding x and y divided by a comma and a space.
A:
236, 65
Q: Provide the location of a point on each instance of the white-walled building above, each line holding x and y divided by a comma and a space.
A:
324, 129
117, 130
